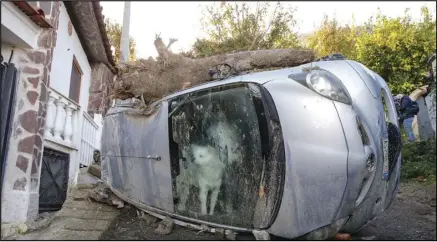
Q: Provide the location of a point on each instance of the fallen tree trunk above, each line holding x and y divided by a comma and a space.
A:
153, 79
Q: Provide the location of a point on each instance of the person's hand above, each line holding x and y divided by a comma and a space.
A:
424, 89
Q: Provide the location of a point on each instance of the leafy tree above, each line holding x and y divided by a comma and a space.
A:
232, 27
113, 29
396, 48
332, 37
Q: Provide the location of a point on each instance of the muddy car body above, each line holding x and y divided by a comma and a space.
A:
319, 150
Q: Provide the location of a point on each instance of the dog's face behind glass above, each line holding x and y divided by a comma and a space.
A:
203, 155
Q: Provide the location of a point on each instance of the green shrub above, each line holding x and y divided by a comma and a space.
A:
419, 159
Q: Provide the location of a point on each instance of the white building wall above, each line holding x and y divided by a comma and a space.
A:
66, 47
62, 63
21, 205
17, 28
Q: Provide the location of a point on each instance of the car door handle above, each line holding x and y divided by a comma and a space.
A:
158, 158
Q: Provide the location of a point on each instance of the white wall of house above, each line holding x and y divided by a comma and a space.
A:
17, 32
66, 47
20, 34
17, 28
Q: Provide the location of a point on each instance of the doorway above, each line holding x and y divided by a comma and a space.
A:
54, 180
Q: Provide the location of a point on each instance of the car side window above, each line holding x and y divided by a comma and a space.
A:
216, 146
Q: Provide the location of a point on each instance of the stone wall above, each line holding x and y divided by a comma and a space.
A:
101, 79
23, 168
422, 125
431, 105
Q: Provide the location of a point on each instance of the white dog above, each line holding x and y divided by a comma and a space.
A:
210, 173
206, 174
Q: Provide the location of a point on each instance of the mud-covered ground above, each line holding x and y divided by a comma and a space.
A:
412, 216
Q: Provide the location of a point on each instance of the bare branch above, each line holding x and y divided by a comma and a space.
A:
256, 28
239, 22
214, 18
268, 27
172, 40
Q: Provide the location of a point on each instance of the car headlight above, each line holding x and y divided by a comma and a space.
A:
328, 85
324, 83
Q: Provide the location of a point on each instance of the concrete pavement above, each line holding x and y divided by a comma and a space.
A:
79, 219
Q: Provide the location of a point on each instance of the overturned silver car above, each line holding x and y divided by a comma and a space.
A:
301, 152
